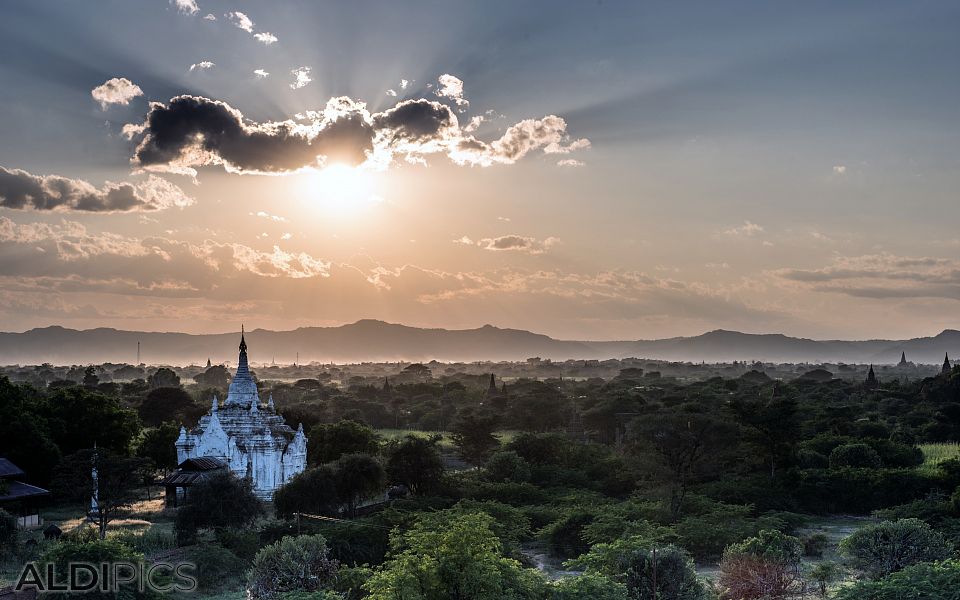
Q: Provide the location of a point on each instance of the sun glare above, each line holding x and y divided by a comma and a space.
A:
340, 190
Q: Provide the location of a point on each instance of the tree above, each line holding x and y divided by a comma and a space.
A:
79, 419
159, 445
90, 379
163, 377
457, 558
165, 404
648, 572
415, 462
313, 491
682, 449
860, 456
887, 547
216, 376
772, 427
218, 501
117, 485
330, 441
507, 465
765, 567
472, 434
357, 476
300, 563
9, 534
25, 431
823, 574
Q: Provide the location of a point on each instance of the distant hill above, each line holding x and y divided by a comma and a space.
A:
370, 340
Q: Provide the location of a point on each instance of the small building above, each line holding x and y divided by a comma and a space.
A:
20, 499
189, 473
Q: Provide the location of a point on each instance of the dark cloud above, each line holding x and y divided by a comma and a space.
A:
22, 190
416, 121
193, 131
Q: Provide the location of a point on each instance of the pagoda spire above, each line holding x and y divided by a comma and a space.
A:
946, 364
903, 359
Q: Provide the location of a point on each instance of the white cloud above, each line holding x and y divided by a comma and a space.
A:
261, 74
403, 84
240, 20
203, 65
452, 87
187, 7
517, 243
301, 77
286, 236
748, 229
392, 93
839, 169
464, 240
570, 162
266, 215
209, 17
118, 90
266, 37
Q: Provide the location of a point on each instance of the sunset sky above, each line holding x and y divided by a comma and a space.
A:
589, 170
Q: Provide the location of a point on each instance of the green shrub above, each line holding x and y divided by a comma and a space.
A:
884, 548
926, 581
589, 586
858, 456
217, 567
564, 537
293, 564
507, 465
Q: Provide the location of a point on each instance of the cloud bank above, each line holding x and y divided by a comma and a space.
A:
22, 190
194, 131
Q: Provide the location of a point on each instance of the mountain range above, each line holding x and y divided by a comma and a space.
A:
370, 340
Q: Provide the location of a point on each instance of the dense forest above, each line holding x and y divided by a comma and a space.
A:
429, 483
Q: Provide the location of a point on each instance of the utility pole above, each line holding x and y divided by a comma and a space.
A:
654, 573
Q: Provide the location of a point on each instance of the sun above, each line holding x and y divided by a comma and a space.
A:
340, 190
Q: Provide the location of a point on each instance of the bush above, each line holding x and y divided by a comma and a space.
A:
82, 549
929, 581
811, 459
860, 491
221, 500
9, 535
631, 561
763, 567
815, 544
292, 564
507, 465
564, 537
858, 456
887, 547
589, 586
217, 567
313, 491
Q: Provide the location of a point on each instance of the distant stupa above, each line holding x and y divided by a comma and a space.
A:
946, 364
903, 360
871, 383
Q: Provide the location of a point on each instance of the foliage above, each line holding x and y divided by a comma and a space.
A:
884, 548
158, 445
459, 559
165, 404
860, 456
217, 567
926, 581
293, 564
313, 491
637, 563
96, 551
9, 535
357, 477
217, 501
217, 376
163, 377
589, 586
328, 442
415, 462
765, 567
118, 481
473, 435
823, 574
507, 465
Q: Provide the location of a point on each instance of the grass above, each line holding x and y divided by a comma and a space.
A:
934, 454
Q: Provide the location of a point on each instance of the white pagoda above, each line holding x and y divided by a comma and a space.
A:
252, 439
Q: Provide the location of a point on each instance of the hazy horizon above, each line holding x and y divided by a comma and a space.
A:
592, 171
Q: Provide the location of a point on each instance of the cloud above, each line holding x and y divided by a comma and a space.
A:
22, 190
265, 215
403, 84
517, 243
286, 236
118, 90
452, 87
193, 131
203, 65
748, 229
209, 17
261, 74
240, 20
882, 276
301, 77
570, 162
839, 169
266, 37
187, 7
392, 93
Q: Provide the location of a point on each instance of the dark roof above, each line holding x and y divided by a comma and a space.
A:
202, 463
16, 490
183, 478
8, 469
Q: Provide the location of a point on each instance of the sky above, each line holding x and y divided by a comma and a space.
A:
587, 170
